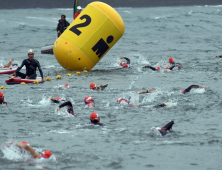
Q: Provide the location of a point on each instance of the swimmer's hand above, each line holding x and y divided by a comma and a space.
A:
122, 57
58, 109
51, 98
27, 77
217, 56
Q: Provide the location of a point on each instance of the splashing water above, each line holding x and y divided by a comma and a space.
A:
13, 153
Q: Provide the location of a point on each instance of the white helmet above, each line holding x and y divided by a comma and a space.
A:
79, 7
31, 51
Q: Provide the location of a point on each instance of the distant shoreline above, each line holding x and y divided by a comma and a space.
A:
23, 4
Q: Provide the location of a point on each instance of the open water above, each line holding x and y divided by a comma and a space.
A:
192, 35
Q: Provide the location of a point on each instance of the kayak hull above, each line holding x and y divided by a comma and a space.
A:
18, 80
9, 70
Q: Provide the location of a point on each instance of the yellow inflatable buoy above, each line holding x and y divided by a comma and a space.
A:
89, 37
36, 82
68, 75
85, 71
58, 77
2, 87
23, 83
78, 73
47, 79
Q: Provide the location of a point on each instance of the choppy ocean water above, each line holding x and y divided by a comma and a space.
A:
192, 35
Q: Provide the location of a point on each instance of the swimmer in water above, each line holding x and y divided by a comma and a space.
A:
89, 101
219, 56
123, 100
95, 119
2, 102
192, 87
145, 91
125, 65
24, 145
161, 105
164, 130
173, 64
100, 88
66, 103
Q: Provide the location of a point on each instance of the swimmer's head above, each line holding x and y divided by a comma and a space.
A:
88, 100
1, 96
167, 67
171, 60
125, 65
182, 90
94, 117
46, 154
26, 143
121, 63
59, 99
92, 86
158, 68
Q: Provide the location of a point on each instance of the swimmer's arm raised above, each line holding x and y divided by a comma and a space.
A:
35, 154
127, 59
102, 87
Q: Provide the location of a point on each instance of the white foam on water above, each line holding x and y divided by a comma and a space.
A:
13, 153
150, 97
45, 101
63, 112
197, 91
172, 103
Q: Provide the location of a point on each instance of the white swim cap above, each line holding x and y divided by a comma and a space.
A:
79, 7
30, 51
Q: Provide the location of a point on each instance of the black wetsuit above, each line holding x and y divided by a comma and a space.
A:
220, 56
102, 87
2, 102
62, 26
68, 104
189, 88
30, 69
160, 105
95, 122
128, 60
166, 128
150, 67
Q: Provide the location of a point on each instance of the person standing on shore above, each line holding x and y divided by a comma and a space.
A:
62, 25
79, 8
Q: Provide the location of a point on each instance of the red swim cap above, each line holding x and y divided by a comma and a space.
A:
26, 143
94, 116
1, 96
158, 68
58, 98
66, 85
46, 154
125, 65
182, 90
92, 86
167, 67
171, 60
121, 63
88, 100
